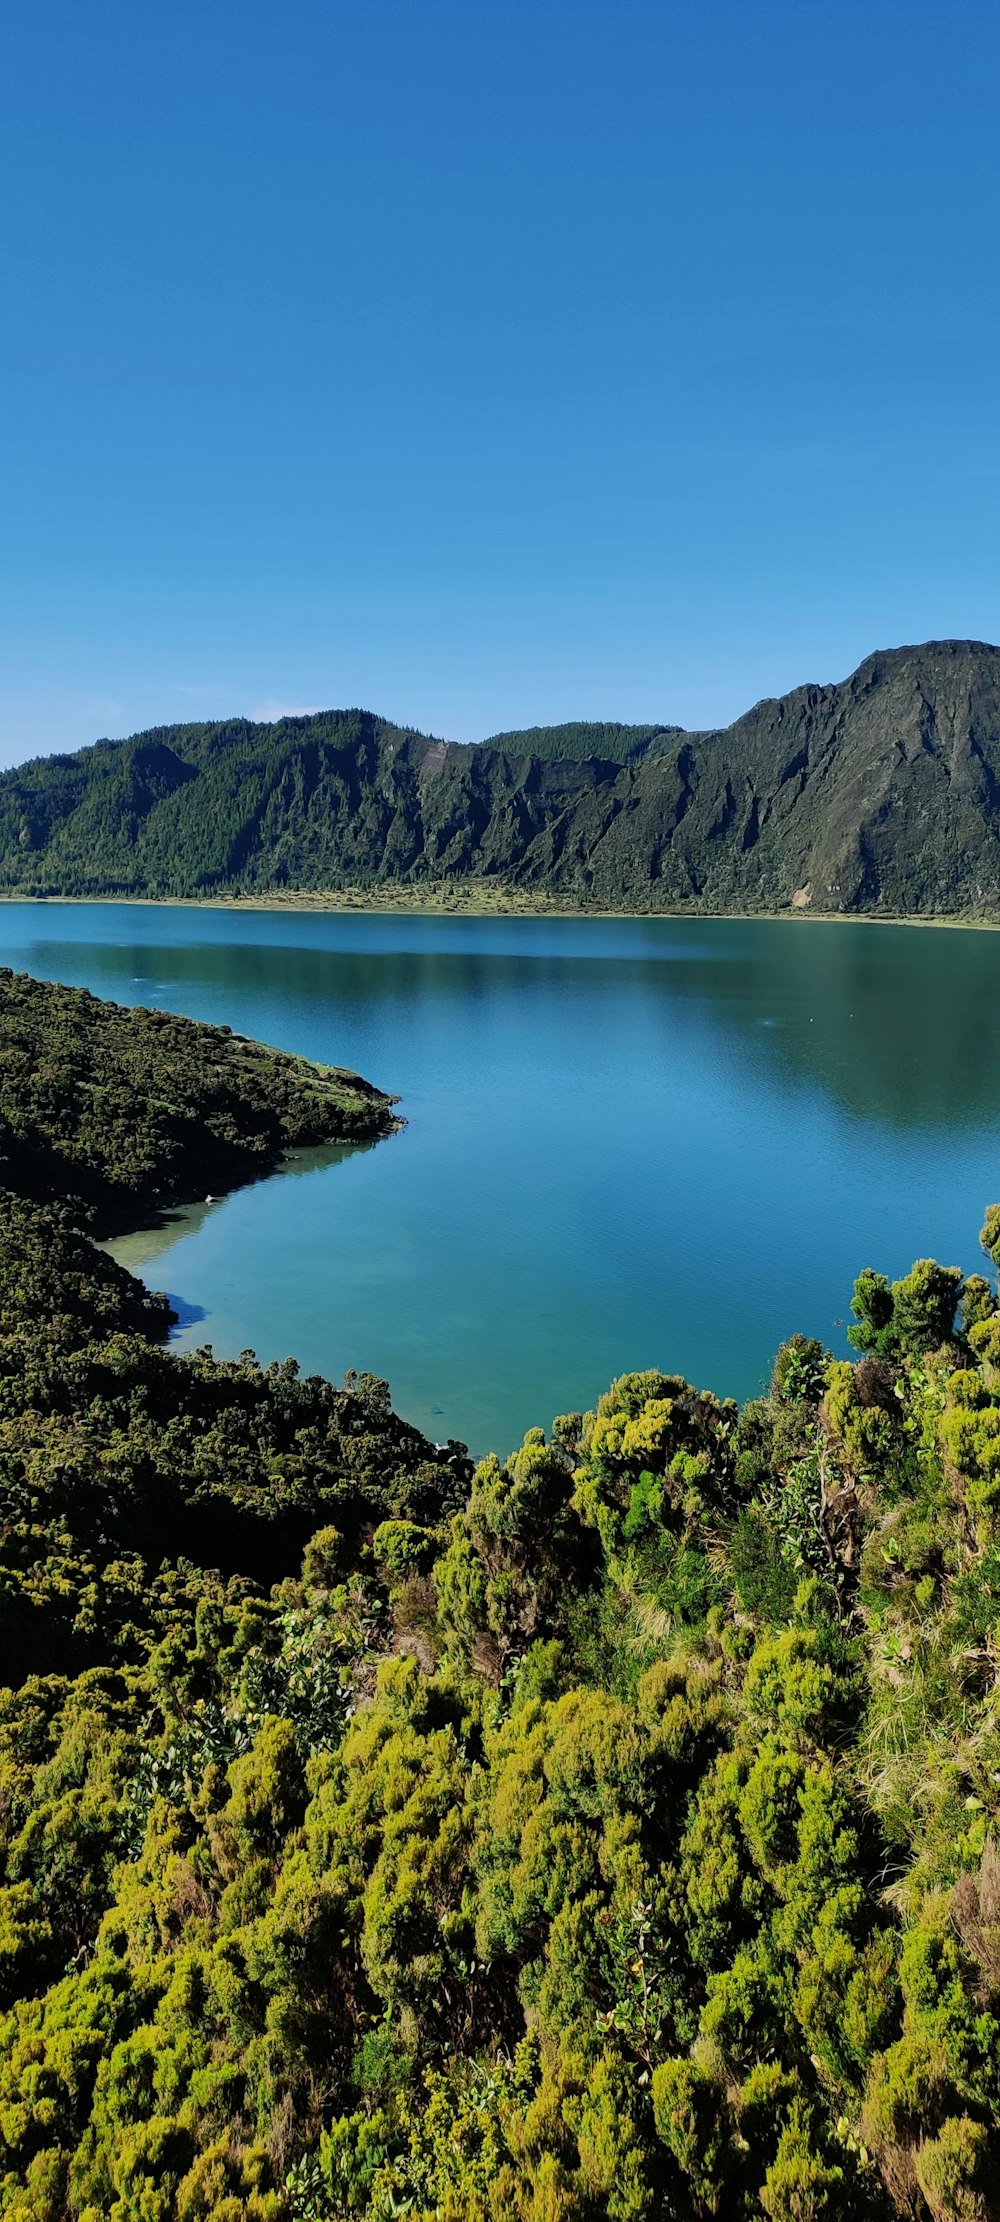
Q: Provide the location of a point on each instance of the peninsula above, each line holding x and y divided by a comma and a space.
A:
125, 1111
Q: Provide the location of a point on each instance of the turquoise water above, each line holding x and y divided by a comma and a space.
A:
630, 1142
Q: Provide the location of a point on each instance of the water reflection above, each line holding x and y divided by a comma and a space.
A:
893, 1025
629, 1142
141, 1250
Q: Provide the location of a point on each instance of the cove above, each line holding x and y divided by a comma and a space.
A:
630, 1142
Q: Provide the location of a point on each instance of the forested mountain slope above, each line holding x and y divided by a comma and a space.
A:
606, 1835
610, 743
881, 794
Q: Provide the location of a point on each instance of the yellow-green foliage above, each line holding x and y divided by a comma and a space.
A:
613, 1834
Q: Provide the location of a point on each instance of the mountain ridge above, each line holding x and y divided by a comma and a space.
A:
876, 794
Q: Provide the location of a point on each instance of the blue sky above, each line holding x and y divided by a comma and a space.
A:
489, 362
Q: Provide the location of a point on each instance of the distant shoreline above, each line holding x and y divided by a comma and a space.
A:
413, 902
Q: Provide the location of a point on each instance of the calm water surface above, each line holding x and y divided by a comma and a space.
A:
630, 1142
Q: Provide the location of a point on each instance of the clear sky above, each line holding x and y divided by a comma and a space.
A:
489, 362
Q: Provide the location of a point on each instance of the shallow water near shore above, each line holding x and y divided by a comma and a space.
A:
630, 1142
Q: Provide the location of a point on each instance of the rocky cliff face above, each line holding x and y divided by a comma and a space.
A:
881, 794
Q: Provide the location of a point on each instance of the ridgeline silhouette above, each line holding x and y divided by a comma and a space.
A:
880, 795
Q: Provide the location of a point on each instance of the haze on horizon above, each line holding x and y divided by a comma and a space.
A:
488, 367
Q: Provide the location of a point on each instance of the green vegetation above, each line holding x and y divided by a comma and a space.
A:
610, 1832
608, 743
130, 1110
878, 795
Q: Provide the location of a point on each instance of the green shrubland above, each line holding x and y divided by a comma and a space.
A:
609, 1832
124, 1111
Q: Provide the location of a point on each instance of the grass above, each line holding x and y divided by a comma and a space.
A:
492, 899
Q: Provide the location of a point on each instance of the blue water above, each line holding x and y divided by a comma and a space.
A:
629, 1142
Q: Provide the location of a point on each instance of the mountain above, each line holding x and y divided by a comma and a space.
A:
612, 743
880, 794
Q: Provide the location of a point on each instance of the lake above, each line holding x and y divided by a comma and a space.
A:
630, 1142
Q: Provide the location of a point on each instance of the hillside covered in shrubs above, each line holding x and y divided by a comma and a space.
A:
130, 1110
606, 1833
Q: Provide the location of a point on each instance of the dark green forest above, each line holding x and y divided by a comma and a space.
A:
879, 795
608, 743
605, 1833
129, 1110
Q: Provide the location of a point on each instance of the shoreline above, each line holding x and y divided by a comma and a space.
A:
404, 902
